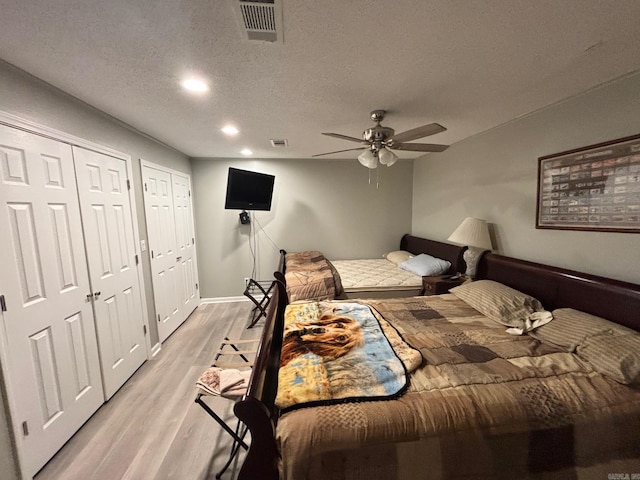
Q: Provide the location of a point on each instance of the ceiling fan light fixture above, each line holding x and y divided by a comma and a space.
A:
387, 157
368, 159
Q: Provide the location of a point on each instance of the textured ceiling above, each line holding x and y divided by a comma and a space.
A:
468, 65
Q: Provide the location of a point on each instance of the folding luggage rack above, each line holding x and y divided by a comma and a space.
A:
254, 289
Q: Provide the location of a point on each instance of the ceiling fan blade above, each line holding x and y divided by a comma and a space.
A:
339, 151
419, 147
345, 137
418, 132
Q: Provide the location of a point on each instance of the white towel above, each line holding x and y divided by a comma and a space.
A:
535, 320
234, 382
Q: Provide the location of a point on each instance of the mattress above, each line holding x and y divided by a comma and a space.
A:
377, 274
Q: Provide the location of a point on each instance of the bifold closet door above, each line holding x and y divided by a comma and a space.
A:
49, 334
108, 227
165, 261
186, 244
167, 203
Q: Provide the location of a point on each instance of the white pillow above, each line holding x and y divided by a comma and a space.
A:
398, 256
425, 265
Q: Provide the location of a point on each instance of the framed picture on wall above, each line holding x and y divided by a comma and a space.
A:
591, 188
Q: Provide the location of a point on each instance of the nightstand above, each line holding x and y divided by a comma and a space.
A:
439, 284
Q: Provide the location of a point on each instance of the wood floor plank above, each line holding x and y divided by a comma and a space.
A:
152, 429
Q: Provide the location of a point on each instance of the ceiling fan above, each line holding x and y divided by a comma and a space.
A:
378, 142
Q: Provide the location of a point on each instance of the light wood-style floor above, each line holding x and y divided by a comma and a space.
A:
151, 429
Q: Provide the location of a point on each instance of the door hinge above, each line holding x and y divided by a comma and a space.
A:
128, 184
196, 286
25, 428
144, 329
193, 241
3, 303
158, 317
151, 253
145, 187
189, 192
137, 261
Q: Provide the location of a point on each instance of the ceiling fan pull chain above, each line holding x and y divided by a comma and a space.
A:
377, 178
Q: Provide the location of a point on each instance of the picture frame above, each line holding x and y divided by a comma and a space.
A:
593, 188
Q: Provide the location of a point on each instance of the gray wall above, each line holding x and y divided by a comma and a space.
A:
317, 205
31, 99
494, 176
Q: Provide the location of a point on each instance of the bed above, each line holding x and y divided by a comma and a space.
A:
483, 404
311, 275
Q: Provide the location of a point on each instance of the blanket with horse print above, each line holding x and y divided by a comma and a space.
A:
335, 352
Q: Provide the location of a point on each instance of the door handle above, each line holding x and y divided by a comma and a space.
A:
96, 295
178, 259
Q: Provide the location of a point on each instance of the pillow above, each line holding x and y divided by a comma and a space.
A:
499, 302
425, 265
614, 354
570, 327
398, 256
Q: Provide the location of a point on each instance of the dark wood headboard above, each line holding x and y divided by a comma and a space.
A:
558, 287
445, 251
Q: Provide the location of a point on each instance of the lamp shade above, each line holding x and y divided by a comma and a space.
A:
368, 159
472, 232
387, 157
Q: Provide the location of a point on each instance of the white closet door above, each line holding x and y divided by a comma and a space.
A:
167, 285
50, 341
186, 246
108, 227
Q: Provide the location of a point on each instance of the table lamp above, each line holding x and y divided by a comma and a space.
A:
474, 233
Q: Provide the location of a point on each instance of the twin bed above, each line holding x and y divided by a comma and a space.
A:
311, 275
560, 402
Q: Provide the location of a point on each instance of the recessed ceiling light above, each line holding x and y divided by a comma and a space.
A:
230, 130
246, 151
194, 85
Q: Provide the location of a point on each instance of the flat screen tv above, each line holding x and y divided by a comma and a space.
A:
248, 190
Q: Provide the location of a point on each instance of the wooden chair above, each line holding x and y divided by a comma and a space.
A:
211, 384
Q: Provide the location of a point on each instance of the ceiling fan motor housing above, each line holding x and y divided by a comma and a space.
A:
377, 133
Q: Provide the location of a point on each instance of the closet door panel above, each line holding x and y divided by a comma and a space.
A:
185, 234
49, 339
168, 288
108, 227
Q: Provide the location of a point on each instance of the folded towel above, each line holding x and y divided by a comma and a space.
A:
226, 382
234, 382
535, 320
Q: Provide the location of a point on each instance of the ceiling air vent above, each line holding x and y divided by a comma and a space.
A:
279, 143
260, 20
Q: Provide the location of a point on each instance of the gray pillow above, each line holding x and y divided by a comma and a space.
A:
614, 354
570, 327
499, 302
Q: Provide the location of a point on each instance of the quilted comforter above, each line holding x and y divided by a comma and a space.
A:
311, 276
484, 404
